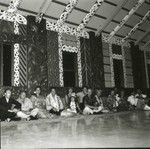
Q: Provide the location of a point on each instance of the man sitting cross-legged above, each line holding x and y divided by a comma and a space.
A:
90, 106
27, 106
10, 108
53, 103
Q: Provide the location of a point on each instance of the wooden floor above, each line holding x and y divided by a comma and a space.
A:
127, 129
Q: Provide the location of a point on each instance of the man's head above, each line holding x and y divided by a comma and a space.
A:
98, 92
139, 91
23, 95
84, 89
7, 93
53, 91
89, 92
112, 92
122, 93
38, 90
70, 90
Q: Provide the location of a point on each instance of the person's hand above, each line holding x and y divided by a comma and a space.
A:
15, 110
10, 110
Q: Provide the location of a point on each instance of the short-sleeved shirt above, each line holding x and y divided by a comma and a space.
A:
26, 105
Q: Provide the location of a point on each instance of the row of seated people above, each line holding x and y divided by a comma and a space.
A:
85, 102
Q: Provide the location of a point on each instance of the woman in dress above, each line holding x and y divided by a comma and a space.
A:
73, 107
39, 101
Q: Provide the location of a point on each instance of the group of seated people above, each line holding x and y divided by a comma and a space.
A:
88, 101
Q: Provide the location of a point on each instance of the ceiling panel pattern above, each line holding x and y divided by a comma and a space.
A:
99, 21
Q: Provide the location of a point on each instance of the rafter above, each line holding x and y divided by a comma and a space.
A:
109, 19
136, 26
142, 37
11, 14
146, 44
63, 17
87, 18
44, 7
66, 29
125, 19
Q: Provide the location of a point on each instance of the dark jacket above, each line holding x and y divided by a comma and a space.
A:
5, 106
89, 100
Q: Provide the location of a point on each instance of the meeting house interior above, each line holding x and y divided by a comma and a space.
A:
74, 73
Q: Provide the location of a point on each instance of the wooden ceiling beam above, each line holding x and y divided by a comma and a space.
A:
142, 37
89, 15
146, 44
68, 9
109, 19
126, 18
137, 26
43, 8
79, 9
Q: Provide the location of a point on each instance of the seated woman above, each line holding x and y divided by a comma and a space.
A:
80, 96
138, 102
39, 102
123, 105
53, 103
99, 102
10, 108
73, 107
27, 106
90, 106
112, 101
141, 101
67, 97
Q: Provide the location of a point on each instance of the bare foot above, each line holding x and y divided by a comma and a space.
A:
8, 119
28, 119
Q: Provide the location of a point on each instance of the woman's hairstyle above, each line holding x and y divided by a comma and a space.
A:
22, 92
37, 87
97, 89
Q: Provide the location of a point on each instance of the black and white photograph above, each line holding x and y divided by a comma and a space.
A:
74, 74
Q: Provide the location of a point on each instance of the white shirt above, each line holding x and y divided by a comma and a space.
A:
7, 100
133, 100
26, 105
53, 102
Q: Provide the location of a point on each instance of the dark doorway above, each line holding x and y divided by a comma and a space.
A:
148, 70
7, 63
118, 73
69, 67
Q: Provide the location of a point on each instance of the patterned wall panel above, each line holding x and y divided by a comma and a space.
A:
96, 52
129, 70
22, 29
107, 67
69, 40
138, 65
86, 62
92, 61
53, 59
23, 65
37, 54
106, 60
